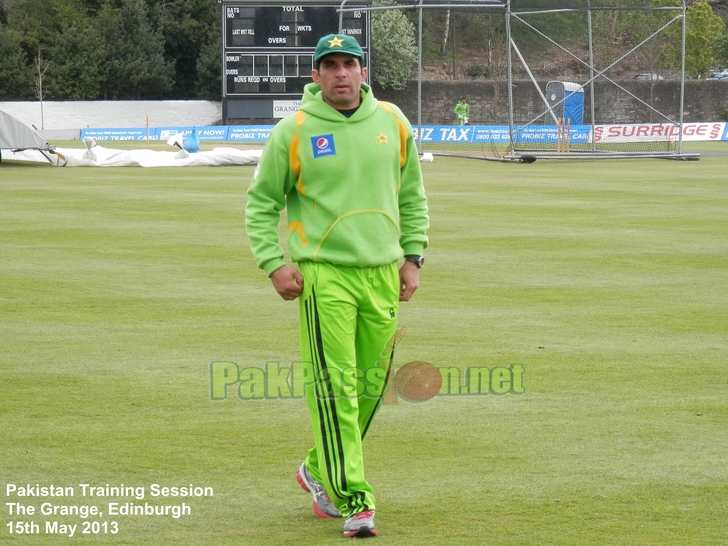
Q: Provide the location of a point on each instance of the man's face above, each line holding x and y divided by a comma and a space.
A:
340, 76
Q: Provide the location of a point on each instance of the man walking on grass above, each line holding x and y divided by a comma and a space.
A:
346, 168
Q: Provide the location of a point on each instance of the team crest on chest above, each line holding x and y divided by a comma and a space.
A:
323, 145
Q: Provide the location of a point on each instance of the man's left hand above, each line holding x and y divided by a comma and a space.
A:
409, 280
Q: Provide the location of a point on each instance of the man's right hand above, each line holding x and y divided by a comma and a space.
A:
288, 282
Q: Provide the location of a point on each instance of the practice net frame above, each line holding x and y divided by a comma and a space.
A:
546, 129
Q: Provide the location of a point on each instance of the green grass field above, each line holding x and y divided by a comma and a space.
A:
605, 280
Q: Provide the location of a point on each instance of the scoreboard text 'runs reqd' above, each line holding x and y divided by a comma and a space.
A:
268, 48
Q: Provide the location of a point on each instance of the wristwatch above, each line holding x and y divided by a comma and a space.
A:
419, 261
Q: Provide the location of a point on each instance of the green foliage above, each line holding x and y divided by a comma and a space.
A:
477, 70
134, 66
606, 36
704, 28
16, 79
116, 48
394, 48
720, 50
41, 21
187, 25
75, 65
209, 76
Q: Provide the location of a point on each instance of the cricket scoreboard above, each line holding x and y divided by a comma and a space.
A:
268, 51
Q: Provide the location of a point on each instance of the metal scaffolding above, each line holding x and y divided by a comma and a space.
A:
522, 11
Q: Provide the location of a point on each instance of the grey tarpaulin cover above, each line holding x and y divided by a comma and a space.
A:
21, 143
15, 135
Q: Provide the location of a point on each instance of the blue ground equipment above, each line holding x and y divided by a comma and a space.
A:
567, 101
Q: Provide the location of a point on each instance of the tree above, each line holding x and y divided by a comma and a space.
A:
133, 65
187, 26
41, 66
394, 49
445, 31
704, 29
40, 22
720, 50
209, 73
76, 72
16, 80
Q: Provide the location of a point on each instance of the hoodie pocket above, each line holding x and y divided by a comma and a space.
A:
364, 238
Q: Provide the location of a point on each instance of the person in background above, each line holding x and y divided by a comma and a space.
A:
462, 112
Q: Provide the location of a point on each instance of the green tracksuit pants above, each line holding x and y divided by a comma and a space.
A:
348, 318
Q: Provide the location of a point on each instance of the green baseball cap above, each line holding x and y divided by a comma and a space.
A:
337, 43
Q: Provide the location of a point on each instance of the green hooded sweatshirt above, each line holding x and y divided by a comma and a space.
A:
352, 187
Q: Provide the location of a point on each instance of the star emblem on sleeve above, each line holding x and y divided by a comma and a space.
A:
382, 138
336, 41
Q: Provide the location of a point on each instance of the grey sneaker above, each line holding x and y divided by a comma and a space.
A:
360, 525
322, 505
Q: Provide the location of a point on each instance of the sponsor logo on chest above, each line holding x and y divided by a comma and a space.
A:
323, 145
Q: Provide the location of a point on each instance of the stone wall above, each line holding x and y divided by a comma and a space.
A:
704, 101
64, 115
